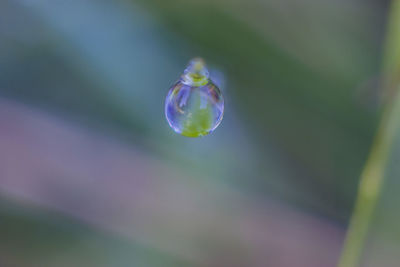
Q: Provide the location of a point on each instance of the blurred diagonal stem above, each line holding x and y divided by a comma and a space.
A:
372, 176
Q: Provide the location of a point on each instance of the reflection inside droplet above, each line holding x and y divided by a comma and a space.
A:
194, 105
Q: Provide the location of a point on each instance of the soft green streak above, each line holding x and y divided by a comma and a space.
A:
391, 64
372, 176
370, 187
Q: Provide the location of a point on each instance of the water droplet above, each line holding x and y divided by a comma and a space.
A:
194, 105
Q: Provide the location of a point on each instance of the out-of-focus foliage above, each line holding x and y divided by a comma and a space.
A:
82, 86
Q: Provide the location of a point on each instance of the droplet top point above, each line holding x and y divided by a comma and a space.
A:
196, 73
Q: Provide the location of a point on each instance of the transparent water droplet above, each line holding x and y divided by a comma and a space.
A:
194, 105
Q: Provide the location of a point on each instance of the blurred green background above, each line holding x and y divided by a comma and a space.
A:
91, 174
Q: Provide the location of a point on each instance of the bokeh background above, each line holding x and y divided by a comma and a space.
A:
91, 174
